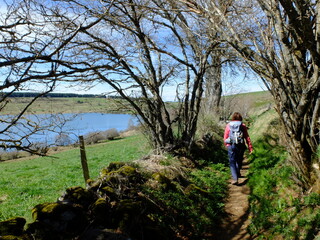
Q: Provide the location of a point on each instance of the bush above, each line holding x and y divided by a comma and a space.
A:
39, 147
12, 155
110, 134
191, 206
62, 140
95, 137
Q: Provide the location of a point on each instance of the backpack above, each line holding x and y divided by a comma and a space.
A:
236, 133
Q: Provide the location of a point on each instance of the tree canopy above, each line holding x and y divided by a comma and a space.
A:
279, 40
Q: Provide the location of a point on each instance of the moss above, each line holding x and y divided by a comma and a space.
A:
99, 205
192, 188
101, 212
125, 175
127, 213
161, 178
127, 170
61, 218
119, 168
109, 193
165, 182
78, 195
13, 226
108, 189
12, 237
114, 166
44, 209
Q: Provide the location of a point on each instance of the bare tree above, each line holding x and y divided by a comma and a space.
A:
29, 61
141, 49
213, 86
279, 40
17, 63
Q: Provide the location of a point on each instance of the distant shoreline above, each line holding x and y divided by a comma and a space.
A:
55, 105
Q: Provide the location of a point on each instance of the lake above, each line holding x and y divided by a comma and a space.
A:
72, 125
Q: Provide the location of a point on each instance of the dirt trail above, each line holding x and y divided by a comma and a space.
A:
236, 221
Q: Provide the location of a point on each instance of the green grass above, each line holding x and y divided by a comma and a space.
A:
279, 209
26, 183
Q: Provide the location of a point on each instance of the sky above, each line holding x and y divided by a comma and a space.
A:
230, 85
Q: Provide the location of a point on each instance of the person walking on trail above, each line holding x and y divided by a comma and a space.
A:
235, 139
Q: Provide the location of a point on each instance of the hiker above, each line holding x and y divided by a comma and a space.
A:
235, 136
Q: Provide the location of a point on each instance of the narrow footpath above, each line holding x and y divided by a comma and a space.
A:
236, 222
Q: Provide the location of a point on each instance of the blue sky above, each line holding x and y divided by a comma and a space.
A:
231, 85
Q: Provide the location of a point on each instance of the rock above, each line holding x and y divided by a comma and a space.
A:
100, 213
79, 196
57, 219
13, 226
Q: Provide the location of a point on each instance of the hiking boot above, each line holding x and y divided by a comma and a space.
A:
234, 182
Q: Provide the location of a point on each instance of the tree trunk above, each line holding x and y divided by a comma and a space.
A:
213, 86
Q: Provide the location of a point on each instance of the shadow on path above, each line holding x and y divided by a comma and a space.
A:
236, 222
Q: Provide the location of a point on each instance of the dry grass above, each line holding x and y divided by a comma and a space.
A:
248, 103
63, 105
263, 124
171, 167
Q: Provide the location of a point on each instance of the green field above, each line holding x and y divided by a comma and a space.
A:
65, 105
26, 183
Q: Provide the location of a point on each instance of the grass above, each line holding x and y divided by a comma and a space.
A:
279, 209
65, 105
26, 183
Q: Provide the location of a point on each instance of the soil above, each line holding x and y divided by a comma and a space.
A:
236, 221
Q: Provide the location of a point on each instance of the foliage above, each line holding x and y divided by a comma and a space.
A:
95, 137
63, 140
192, 206
265, 41
277, 209
209, 147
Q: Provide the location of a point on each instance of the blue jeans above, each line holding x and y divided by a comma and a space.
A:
235, 153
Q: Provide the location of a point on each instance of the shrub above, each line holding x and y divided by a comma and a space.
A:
93, 137
62, 140
39, 147
12, 155
110, 134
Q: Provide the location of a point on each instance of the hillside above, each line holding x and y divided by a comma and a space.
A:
243, 102
248, 104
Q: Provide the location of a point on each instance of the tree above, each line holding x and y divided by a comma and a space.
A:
29, 58
279, 40
17, 62
141, 49
213, 86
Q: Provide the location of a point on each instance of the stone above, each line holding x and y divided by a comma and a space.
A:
12, 226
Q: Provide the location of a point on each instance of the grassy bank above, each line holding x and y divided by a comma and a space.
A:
28, 182
279, 208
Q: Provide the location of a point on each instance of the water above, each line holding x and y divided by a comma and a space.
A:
70, 125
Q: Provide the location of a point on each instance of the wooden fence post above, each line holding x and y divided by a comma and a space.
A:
84, 163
